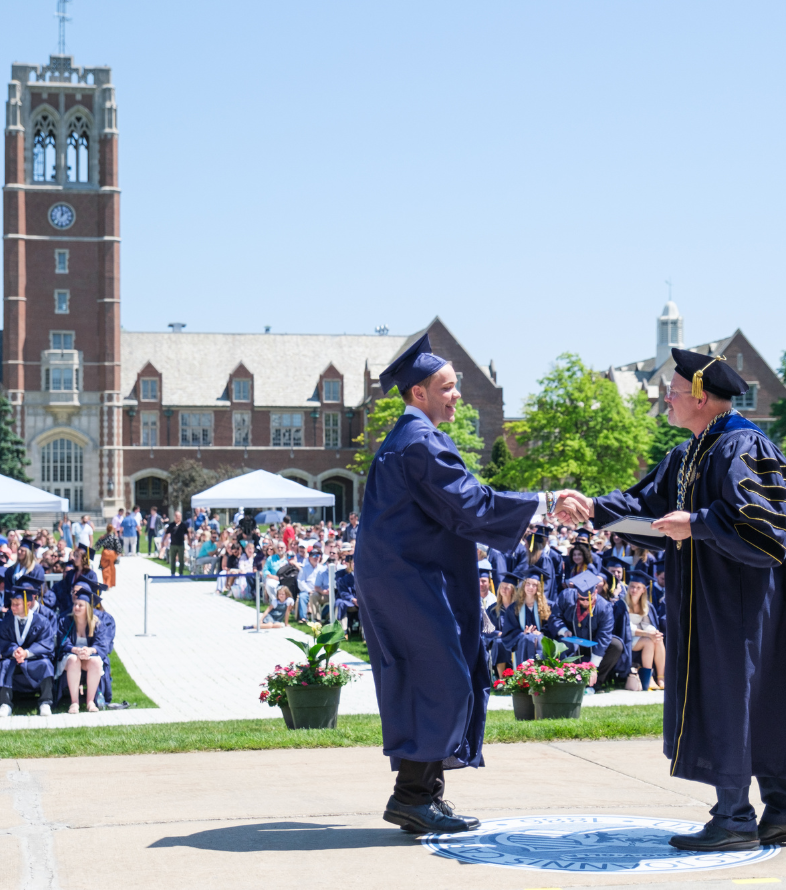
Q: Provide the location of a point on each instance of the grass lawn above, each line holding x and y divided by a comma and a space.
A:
358, 730
123, 689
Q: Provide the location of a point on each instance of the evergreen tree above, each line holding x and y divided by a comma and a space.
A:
777, 431
500, 456
13, 460
664, 439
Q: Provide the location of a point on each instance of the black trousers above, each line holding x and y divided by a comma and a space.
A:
419, 783
45, 690
609, 660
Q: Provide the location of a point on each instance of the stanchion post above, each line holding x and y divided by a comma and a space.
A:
146, 634
256, 586
332, 590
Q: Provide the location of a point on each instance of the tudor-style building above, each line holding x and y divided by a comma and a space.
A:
653, 375
105, 414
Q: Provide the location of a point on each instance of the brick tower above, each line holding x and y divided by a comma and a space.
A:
61, 308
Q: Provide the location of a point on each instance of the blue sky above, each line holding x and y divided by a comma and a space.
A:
530, 171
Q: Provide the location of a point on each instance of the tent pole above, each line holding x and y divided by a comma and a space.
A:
332, 590
256, 586
146, 634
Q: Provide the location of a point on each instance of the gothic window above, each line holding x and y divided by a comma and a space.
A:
332, 430
77, 150
149, 429
44, 150
62, 462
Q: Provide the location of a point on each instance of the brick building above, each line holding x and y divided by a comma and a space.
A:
105, 413
653, 375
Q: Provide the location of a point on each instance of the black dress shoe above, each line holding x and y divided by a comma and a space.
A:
772, 835
446, 807
422, 819
713, 838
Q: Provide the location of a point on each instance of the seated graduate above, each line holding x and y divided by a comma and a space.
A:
613, 591
487, 595
580, 612
27, 645
25, 565
643, 561
506, 593
105, 683
80, 568
346, 595
83, 644
526, 617
515, 560
618, 568
647, 638
539, 558
578, 561
618, 548
584, 536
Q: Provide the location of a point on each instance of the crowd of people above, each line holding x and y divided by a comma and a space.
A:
603, 598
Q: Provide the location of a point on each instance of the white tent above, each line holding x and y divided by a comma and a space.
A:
19, 497
261, 489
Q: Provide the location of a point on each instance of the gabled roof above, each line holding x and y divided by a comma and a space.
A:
646, 370
195, 367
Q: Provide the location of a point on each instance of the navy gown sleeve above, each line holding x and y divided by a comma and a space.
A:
445, 490
101, 641
8, 642
748, 524
44, 645
511, 628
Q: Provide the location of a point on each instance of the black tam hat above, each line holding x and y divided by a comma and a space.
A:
415, 364
712, 374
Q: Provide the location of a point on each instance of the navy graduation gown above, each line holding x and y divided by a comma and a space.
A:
521, 646
345, 592
40, 642
503, 563
622, 630
416, 571
725, 706
599, 628
499, 654
13, 571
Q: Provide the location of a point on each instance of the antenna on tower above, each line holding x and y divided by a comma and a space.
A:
62, 16
668, 281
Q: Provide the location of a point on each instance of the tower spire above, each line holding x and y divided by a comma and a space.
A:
62, 17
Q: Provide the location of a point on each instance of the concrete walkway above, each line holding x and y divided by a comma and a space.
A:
201, 665
290, 819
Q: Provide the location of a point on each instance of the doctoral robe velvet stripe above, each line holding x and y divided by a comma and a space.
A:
416, 572
725, 705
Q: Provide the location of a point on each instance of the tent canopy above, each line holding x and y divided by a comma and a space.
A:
261, 489
19, 497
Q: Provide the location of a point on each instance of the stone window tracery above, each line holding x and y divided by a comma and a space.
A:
44, 149
78, 150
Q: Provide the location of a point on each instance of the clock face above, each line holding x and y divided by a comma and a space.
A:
61, 216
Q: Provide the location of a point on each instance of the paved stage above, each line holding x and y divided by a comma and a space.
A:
285, 820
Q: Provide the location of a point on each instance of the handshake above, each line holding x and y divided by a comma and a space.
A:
573, 506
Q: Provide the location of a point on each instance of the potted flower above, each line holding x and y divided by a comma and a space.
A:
314, 695
556, 686
274, 691
516, 685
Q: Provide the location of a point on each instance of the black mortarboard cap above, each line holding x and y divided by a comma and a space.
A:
26, 584
659, 566
583, 533
515, 576
614, 562
707, 372
610, 579
534, 572
412, 366
28, 543
484, 568
640, 577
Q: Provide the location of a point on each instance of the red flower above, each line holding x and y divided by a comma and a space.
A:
508, 672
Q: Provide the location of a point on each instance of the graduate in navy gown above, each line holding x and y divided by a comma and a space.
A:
580, 612
610, 588
417, 581
720, 498
645, 626
346, 596
539, 557
659, 592
584, 536
25, 565
83, 645
27, 644
526, 617
499, 653
511, 561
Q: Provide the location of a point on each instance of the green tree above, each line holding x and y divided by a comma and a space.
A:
782, 368
186, 478
664, 439
388, 410
777, 431
500, 456
578, 432
13, 460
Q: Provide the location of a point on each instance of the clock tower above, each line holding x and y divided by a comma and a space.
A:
61, 307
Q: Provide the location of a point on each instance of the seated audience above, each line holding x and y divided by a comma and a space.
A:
647, 638
277, 613
526, 617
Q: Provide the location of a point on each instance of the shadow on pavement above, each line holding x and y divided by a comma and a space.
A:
284, 836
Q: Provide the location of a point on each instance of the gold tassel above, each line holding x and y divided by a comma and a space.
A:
532, 543
650, 592
613, 583
25, 604
697, 384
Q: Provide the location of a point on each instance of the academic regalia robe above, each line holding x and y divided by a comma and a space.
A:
39, 640
599, 628
498, 653
102, 641
15, 572
345, 592
725, 706
520, 645
559, 570
510, 562
416, 571
621, 629
64, 599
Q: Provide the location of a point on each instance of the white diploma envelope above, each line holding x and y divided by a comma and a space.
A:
635, 525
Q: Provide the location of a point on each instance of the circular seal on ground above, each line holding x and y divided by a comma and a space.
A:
587, 844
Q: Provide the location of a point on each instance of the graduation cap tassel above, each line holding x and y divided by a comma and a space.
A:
697, 384
650, 592
532, 543
25, 604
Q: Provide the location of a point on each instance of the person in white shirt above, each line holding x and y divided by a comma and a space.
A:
83, 533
